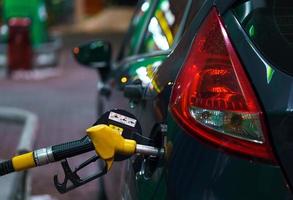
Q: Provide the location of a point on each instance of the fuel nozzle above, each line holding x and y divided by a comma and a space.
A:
114, 137
108, 142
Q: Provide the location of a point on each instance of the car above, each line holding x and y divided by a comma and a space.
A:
25, 43
225, 96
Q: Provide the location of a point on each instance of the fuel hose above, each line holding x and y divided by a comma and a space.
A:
46, 155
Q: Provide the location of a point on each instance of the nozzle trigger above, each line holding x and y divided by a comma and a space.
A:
74, 178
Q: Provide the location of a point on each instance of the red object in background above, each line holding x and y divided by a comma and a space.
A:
92, 7
20, 51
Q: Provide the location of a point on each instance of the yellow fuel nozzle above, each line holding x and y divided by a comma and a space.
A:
108, 142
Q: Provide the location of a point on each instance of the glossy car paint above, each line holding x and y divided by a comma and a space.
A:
275, 94
138, 68
136, 28
198, 171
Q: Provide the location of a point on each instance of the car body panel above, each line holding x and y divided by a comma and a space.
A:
122, 174
152, 188
136, 29
274, 89
198, 171
137, 68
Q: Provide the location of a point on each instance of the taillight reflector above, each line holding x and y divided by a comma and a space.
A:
212, 97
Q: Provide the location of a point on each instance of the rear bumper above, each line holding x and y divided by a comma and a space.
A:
205, 172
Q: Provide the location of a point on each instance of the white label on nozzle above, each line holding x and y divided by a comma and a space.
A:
122, 119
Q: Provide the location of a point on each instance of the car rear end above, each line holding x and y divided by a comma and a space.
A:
230, 112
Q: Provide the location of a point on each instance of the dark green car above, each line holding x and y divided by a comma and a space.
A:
220, 105
225, 96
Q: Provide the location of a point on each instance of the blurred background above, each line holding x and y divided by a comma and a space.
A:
48, 88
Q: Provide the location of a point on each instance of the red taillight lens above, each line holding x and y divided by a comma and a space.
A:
213, 99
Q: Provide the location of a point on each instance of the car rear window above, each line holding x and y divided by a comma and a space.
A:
269, 24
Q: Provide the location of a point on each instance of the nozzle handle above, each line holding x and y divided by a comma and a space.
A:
6, 167
46, 155
70, 149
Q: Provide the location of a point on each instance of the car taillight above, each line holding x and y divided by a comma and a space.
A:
212, 97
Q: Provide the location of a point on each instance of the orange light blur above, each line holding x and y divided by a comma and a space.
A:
76, 50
